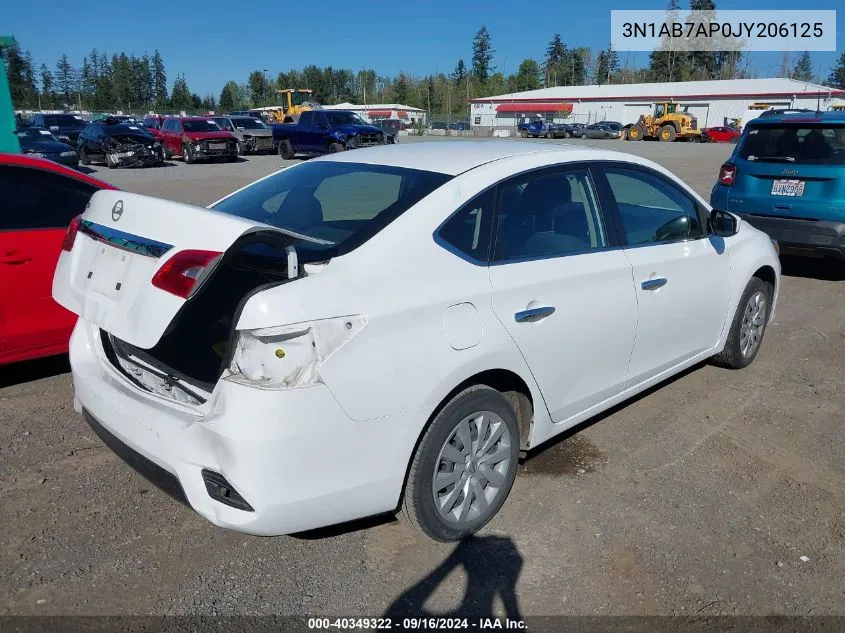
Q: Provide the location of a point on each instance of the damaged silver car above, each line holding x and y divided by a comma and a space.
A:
118, 144
254, 136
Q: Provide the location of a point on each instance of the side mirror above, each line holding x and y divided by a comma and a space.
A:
723, 223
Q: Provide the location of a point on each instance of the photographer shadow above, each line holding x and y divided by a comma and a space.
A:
492, 565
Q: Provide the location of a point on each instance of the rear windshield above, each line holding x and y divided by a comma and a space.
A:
248, 123
64, 120
798, 143
341, 204
200, 126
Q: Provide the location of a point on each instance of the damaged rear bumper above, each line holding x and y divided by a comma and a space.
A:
295, 458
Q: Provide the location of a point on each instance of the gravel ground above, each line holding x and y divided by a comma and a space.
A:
700, 497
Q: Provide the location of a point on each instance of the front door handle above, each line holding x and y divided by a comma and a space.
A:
654, 284
15, 257
534, 314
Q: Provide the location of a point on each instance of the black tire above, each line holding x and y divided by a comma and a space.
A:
667, 133
418, 503
566, 135
83, 157
188, 154
334, 148
731, 356
233, 158
583, 135
285, 150
636, 133
523, 133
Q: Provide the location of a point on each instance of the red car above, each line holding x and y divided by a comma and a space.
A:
720, 135
193, 138
40, 200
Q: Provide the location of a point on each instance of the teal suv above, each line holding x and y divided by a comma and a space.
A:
787, 177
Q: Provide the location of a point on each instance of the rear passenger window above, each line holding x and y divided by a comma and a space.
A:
35, 199
543, 215
652, 209
468, 231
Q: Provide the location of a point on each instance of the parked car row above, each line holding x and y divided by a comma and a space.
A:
539, 128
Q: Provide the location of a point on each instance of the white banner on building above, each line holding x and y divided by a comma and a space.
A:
758, 30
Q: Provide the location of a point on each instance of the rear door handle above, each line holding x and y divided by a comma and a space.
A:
654, 284
534, 314
15, 257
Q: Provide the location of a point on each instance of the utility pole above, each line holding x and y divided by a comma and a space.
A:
264, 86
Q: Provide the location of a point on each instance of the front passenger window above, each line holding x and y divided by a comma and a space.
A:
548, 214
652, 210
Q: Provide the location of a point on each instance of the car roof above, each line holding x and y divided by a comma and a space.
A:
800, 117
457, 157
22, 160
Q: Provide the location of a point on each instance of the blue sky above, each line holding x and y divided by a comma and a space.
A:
212, 41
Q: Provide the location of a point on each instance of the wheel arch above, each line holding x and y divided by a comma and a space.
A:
507, 382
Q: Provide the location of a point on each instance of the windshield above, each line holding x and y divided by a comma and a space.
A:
797, 142
222, 123
249, 123
298, 98
342, 204
200, 126
34, 134
344, 118
64, 120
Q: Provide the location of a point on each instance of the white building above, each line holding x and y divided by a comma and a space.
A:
374, 111
711, 102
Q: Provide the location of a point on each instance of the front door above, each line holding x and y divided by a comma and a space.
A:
680, 272
562, 294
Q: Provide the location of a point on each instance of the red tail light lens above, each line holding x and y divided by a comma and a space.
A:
727, 174
70, 236
180, 273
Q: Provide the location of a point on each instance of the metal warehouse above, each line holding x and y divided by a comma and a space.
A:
713, 103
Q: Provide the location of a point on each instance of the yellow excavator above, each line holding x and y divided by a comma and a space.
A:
295, 101
668, 123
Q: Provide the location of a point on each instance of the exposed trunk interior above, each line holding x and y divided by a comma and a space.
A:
196, 345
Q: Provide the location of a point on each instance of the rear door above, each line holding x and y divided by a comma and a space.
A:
37, 207
123, 240
681, 274
560, 288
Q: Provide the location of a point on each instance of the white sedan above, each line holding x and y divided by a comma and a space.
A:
385, 330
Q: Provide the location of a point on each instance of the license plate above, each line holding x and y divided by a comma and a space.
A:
107, 270
792, 188
217, 146
125, 154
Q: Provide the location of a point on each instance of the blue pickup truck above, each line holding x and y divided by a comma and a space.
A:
325, 132
539, 128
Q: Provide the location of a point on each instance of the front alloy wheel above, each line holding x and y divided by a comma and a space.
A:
748, 326
464, 466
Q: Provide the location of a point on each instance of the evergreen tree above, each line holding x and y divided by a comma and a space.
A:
459, 73
400, 89
159, 79
837, 74
229, 100
20, 75
803, 69
255, 81
482, 55
180, 97
606, 65
556, 64
64, 79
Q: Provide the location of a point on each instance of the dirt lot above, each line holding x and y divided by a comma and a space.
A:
700, 497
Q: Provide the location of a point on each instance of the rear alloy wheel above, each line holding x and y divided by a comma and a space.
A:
667, 133
748, 327
285, 150
464, 467
334, 148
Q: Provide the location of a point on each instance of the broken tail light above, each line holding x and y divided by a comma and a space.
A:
70, 236
181, 273
289, 356
727, 174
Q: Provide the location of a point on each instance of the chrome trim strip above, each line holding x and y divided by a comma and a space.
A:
124, 241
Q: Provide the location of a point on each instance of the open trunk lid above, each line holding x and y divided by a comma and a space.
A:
122, 241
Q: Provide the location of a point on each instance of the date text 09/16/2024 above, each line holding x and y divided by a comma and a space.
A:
412, 624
